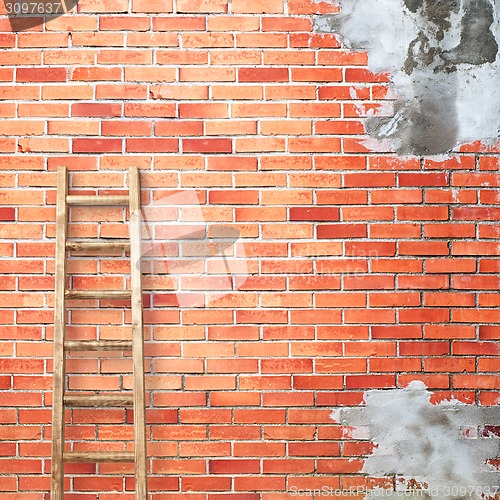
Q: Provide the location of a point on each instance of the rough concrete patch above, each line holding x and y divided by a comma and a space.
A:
426, 442
425, 125
444, 57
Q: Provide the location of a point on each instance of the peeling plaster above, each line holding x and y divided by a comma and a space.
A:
445, 62
436, 446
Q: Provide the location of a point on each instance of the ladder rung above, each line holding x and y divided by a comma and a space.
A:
98, 345
99, 400
98, 456
99, 245
98, 294
88, 200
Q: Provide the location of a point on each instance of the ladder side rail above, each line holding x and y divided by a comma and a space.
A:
59, 369
141, 490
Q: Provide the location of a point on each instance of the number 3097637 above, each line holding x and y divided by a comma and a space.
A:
22, 8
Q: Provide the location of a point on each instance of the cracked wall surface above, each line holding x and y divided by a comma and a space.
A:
443, 55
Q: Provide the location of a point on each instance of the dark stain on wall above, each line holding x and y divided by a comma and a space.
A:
437, 12
477, 42
428, 124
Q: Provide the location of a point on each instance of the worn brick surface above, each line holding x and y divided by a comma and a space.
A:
344, 269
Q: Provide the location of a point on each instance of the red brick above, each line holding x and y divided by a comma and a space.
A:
363, 75
340, 127
278, 399
201, 40
263, 75
202, 6
263, 40
257, 145
319, 40
313, 214
207, 145
323, 109
257, 6
225, 128
476, 213
162, 6
372, 249
448, 365
290, 466
110, 56
449, 231
125, 23
450, 196
311, 7
97, 145
392, 230
370, 381
208, 110
422, 213
397, 196
313, 145
423, 248
147, 145
369, 316
7, 214
449, 299
276, 92
449, 331
207, 74
96, 110
41, 75
141, 74
316, 75
342, 231
314, 449
475, 248
425, 179
264, 484
232, 163
250, 111
286, 24
123, 128
342, 197
397, 332
475, 381
234, 466
475, 282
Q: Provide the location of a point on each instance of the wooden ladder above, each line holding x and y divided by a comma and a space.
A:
137, 398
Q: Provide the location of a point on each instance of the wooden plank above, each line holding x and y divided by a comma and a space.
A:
105, 200
98, 294
58, 383
98, 456
109, 400
98, 345
98, 246
141, 490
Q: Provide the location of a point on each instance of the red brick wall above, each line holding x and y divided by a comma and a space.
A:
353, 270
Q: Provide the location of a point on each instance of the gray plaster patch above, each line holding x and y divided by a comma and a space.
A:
445, 62
431, 445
